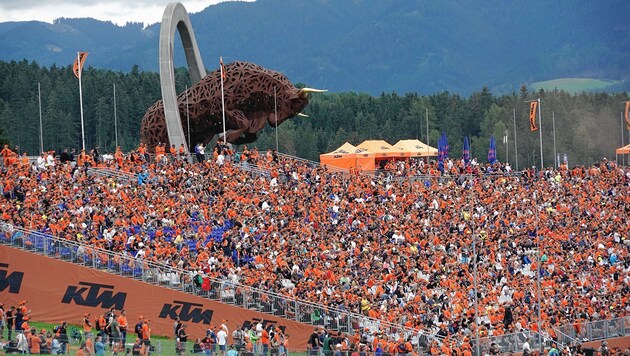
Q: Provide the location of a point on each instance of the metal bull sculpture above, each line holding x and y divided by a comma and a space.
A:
249, 105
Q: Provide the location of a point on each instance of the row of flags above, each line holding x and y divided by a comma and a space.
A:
443, 151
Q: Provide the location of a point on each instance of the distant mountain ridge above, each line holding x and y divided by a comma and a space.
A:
367, 46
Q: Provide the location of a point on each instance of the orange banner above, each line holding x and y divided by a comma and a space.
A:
626, 114
59, 291
77, 68
533, 106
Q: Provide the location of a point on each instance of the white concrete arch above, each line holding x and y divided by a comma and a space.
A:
176, 18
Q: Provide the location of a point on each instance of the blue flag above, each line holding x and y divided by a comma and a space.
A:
445, 144
492, 152
466, 152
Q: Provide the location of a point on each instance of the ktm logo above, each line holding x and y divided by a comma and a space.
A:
249, 324
186, 312
12, 281
95, 296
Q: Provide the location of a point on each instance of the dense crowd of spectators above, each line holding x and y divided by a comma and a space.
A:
398, 249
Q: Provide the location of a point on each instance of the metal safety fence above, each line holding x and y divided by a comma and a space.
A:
594, 330
565, 335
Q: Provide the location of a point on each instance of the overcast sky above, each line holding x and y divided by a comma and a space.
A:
116, 11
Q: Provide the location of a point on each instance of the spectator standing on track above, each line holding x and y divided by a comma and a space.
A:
146, 335
10, 317
123, 325
114, 335
87, 325
222, 340
182, 338
176, 326
207, 344
62, 335
238, 338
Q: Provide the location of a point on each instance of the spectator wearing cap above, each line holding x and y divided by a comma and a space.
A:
62, 336
25, 327
207, 343
222, 340
146, 333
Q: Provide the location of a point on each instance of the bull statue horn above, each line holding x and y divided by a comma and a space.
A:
303, 93
302, 115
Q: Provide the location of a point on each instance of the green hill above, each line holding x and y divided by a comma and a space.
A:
575, 85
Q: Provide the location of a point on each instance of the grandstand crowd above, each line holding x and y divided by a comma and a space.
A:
396, 247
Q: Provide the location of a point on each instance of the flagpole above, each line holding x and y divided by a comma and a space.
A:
223, 102
542, 346
553, 121
115, 119
515, 144
41, 131
507, 147
426, 115
187, 118
80, 70
275, 110
542, 162
623, 157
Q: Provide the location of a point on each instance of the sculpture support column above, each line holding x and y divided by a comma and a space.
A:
176, 18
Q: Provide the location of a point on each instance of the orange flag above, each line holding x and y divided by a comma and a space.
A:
78, 64
533, 106
626, 114
222, 68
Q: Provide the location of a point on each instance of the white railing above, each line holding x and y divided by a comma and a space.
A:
112, 173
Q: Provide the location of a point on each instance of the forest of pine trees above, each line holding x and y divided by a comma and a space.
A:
587, 126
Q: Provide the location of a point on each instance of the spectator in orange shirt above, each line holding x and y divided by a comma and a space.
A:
146, 333
123, 325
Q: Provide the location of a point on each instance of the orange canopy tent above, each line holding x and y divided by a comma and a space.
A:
383, 150
625, 150
417, 148
348, 156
